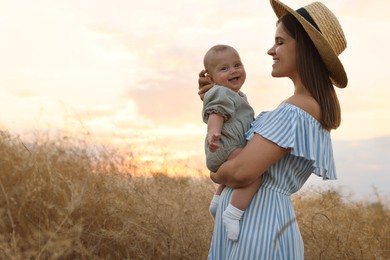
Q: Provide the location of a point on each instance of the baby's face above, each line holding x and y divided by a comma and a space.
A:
226, 69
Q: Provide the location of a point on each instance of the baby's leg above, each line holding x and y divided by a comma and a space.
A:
215, 201
219, 189
239, 202
242, 197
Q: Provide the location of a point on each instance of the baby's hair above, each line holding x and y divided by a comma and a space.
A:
215, 49
220, 47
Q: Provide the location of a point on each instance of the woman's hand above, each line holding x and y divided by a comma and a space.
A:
215, 178
204, 84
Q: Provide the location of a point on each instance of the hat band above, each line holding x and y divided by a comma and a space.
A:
302, 11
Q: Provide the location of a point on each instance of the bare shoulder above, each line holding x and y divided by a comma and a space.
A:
306, 103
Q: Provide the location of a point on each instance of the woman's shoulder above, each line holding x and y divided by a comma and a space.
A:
306, 103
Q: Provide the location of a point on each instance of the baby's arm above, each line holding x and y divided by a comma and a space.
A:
214, 127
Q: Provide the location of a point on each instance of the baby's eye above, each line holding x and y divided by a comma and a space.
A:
237, 65
224, 68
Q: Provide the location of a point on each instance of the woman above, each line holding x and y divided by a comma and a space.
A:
288, 144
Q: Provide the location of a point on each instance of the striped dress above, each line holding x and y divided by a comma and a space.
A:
269, 229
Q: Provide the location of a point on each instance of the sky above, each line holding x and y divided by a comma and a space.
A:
125, 73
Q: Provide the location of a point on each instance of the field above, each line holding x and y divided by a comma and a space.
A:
60, 199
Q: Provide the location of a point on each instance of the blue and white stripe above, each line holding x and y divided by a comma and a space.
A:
269, 229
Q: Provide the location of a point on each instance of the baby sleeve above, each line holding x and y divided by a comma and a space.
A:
220, 100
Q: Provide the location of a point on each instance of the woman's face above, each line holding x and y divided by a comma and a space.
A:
283, 53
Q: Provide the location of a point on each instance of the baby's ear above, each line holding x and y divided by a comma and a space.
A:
209, 78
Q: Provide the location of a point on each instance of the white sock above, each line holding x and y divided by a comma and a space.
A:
214, 205
231, 219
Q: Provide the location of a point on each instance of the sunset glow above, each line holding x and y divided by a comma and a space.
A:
125, 72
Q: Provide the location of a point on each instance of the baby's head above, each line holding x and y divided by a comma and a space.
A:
224, 67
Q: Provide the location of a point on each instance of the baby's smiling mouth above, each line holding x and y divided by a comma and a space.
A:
234, 79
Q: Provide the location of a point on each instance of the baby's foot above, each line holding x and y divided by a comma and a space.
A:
231, 220
232, 227
214, 205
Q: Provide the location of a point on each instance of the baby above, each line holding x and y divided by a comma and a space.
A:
228, 116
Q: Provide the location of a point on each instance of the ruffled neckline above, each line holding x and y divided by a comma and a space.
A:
292, 127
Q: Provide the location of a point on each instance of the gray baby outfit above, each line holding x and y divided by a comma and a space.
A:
238, 116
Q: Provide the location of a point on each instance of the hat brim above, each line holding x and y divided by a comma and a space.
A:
332, 62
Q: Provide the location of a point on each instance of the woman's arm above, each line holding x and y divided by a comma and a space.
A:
254, 159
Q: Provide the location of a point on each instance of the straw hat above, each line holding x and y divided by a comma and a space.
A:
326, 33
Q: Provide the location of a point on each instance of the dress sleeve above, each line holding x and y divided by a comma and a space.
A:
220, 100
293, 128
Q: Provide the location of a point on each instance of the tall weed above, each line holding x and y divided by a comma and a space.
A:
60, 199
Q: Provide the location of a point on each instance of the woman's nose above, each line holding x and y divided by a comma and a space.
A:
271, 51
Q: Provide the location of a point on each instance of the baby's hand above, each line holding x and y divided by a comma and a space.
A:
213, 141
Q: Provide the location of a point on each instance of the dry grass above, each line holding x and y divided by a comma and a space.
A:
334, 229
61, 200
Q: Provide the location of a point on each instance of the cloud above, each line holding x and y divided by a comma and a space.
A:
168, 101
125, 64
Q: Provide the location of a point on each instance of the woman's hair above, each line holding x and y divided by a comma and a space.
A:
314, 74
